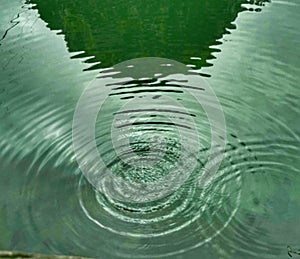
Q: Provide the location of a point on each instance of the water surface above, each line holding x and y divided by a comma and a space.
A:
248, 53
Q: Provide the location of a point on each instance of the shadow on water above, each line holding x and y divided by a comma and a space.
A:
112, 32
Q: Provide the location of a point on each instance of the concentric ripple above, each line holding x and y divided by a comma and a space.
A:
191, 217
148, 144
237, 210
269, 181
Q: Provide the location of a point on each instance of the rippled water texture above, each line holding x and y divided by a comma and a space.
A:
248, 52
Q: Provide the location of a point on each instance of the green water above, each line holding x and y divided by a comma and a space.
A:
247, 52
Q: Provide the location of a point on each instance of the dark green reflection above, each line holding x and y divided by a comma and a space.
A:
115, 31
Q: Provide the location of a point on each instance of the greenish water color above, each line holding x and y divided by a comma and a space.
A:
115, 32
249, 54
